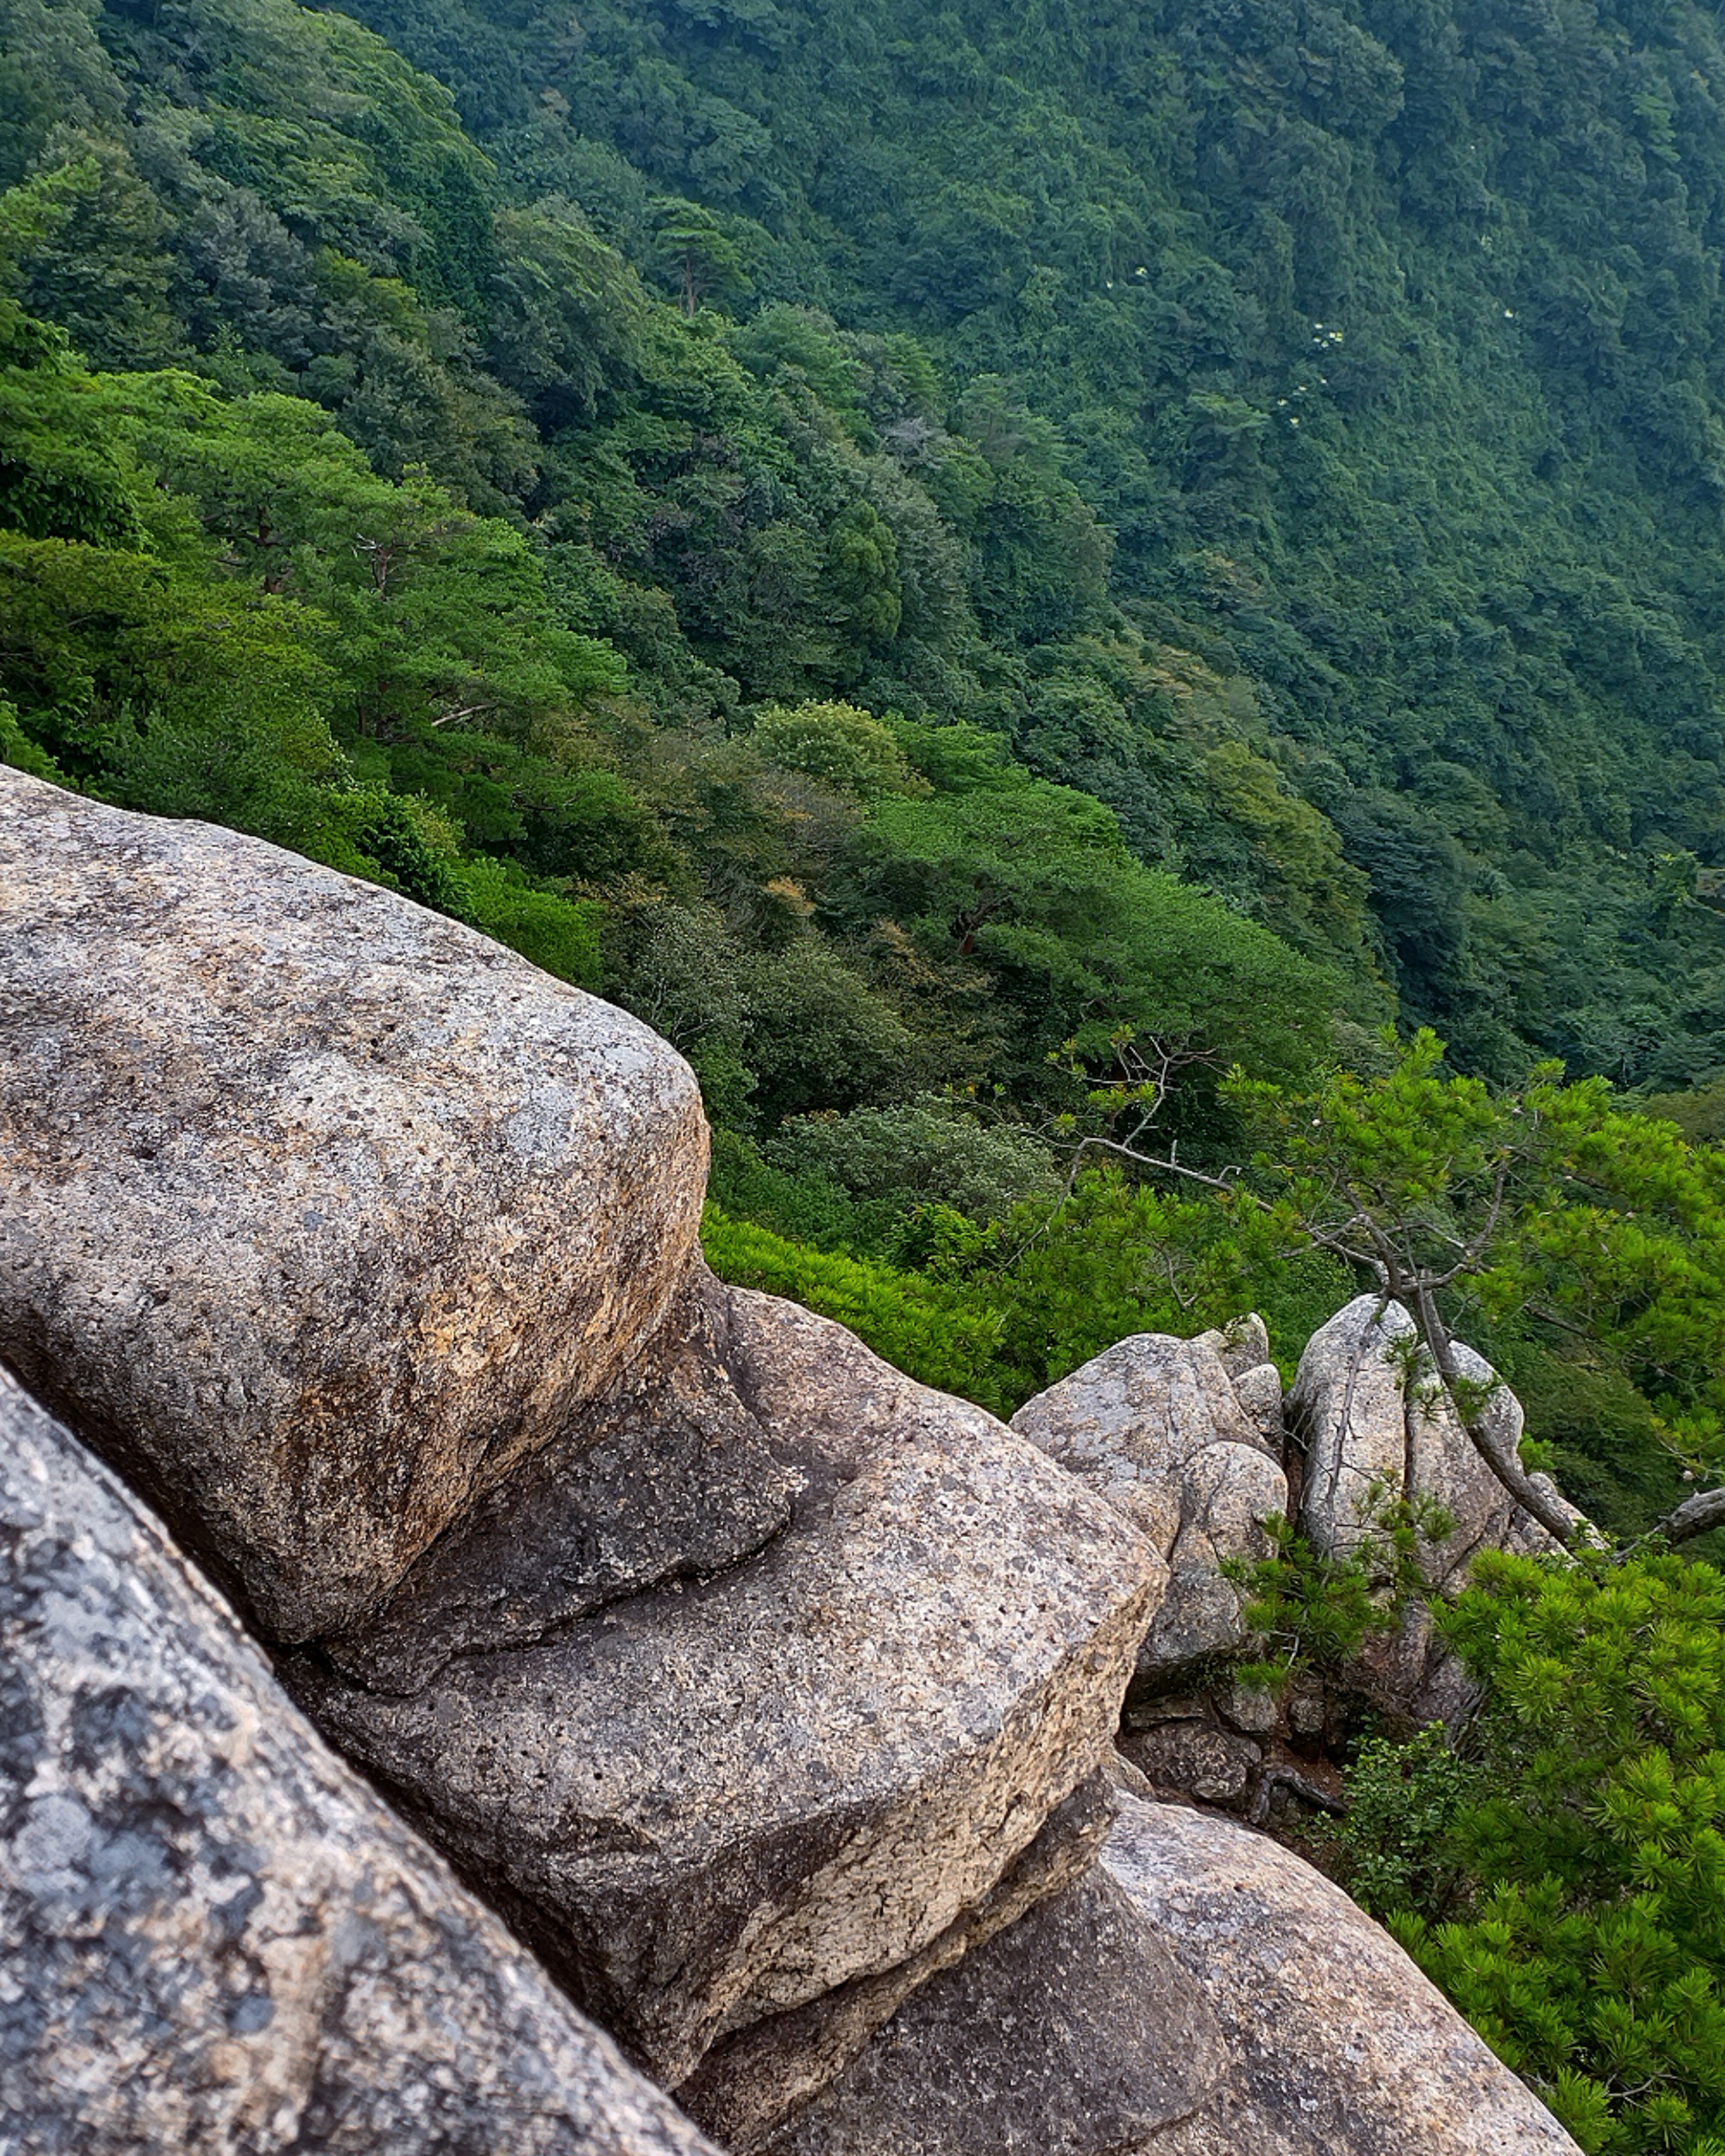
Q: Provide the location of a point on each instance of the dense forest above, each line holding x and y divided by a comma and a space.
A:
1052, 593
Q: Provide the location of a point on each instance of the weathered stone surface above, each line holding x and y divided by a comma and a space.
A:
1075, 2033
1254, 1708
1337, 2046
1200, 1993
1241, 1347
321, 1209
717, 1802
749, 2085
1376, 1429
1216, 1766
213, 1935
666, 1476
1348, 1406
1155, 1424
1259, 1391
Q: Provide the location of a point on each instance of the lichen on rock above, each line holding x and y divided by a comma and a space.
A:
213, 1935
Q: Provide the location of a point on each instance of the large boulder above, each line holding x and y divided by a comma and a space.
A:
213, 1934
1198, 1991
715, 1801
738, 1669
1337, 2046
1377, 1428
322, 1209
1158, 1426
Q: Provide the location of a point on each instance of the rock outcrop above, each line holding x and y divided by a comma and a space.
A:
1159, 1427
742, 1672
1198, 1991
1335, 2044
1193, 1441
803, 1770
323, 1209
769, 1695
766, 2077
1075, 2033
213, 1934
1377, 1428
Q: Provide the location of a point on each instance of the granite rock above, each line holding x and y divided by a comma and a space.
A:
667, 1476
1242, 1347
1336, 2045
323, 1209
213, 1934
1199, 1992
1075, 2033
760, 2078
1157, 1425
1216, 1766
716, 1801
1377, 1428
1348, 1406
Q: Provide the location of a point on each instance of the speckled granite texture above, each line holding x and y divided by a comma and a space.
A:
213, 1936
320, 1208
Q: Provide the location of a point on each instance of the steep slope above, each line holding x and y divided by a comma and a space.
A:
1384, 341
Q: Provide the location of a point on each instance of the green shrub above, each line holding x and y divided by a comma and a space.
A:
936, 1334
1564, 1882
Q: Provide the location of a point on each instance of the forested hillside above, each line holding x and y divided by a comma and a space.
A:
1298, 429
1383, 343
978, 572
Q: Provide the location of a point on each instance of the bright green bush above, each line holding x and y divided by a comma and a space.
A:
1564, 1882
938, 1334
928, 1150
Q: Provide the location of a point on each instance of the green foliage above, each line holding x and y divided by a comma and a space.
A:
217, 608
1116, 1257
564, 312
816, 1035
936, 1334
1369, 356
1306, 1610
806, 1208
928, 1150
1395, 1848
845, 748
1562, 1882
1031, 884
1544, 1201
561, 935
18, 750
1608, 1449
701, 258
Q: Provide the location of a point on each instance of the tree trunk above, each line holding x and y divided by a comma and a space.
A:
1553, 1516
1695, 1516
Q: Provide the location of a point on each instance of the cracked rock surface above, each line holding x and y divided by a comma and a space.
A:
1075, 2033
760, 2078
666, 1477
213, 1934
716, 1802
1375, 1432
323, 1209
1197, 1992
